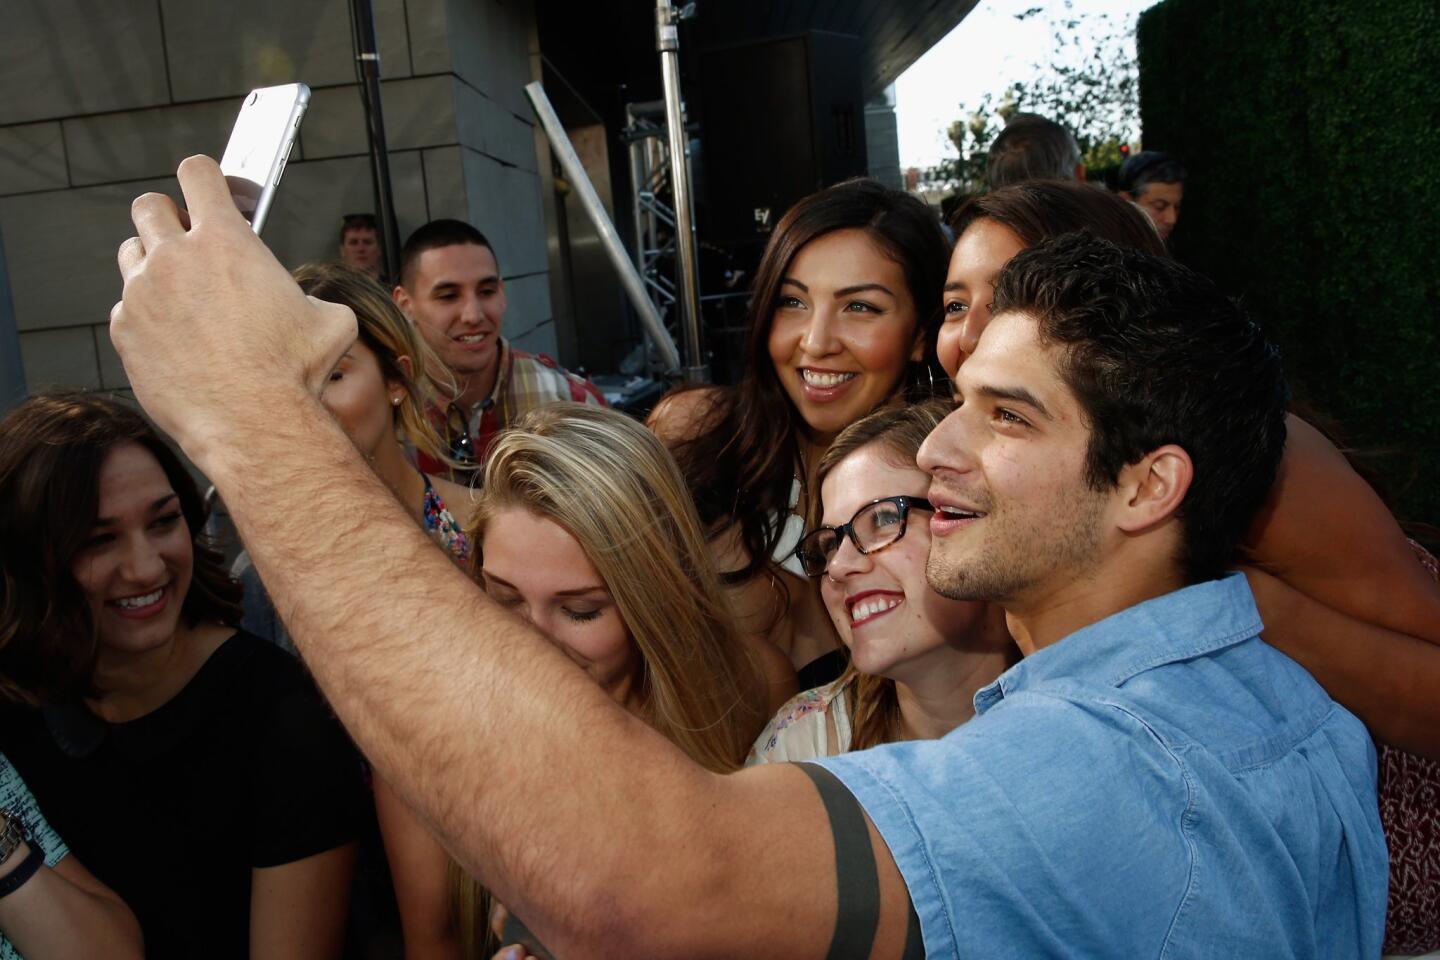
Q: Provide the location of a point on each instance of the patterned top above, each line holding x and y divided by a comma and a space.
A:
15, 798
526, 381
440, 524
1410, 812
801, 730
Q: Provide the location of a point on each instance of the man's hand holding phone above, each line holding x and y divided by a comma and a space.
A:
215, 336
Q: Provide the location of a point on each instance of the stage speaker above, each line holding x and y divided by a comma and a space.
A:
781, 117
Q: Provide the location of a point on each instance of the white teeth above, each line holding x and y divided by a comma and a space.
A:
471, 338
957, 512
817, 379
869, 608
135, 603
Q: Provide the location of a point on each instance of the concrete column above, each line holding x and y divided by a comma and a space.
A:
882, 140
100, 102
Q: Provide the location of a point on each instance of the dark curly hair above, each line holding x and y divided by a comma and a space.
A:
1156, 354
52, 448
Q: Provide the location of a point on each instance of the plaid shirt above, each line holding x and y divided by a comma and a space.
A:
526, 381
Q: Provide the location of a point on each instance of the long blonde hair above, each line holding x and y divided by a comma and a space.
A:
388, 335
610, 482
899, 430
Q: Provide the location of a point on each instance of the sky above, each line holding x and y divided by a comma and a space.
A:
986, 52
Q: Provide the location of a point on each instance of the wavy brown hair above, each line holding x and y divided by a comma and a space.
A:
1037, 210
899, 431
52, 448
742, 461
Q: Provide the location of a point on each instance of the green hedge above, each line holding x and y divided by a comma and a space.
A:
1311, 131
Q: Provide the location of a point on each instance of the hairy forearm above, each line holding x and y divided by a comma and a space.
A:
51, 918
528, 773
1388, 679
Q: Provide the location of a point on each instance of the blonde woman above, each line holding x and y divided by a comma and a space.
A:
585, 528
377, 392
916, 658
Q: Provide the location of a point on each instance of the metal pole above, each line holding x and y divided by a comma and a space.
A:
12, 368
636, 154
367, 62
667, 41
610, 240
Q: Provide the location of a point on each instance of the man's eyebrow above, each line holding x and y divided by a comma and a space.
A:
1017, 395
456, 284
156, 505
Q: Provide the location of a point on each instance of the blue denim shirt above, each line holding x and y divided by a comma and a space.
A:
1159, 784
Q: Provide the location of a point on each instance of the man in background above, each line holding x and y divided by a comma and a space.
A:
1032, 147
450, 288
1155, 182
360, 243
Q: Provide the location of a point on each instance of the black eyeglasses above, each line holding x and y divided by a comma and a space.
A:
874, 527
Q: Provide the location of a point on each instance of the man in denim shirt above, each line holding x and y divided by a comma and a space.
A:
1153, 780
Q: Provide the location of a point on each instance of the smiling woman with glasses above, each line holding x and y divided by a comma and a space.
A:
916, 658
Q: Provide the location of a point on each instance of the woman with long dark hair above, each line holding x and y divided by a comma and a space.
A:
192, 767
843, 317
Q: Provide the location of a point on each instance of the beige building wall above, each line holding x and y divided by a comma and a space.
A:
100, 101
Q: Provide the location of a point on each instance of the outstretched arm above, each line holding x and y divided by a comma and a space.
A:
1345, 595
583, 820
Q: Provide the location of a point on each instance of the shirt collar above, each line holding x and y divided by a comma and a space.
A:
1188, 623
505, 357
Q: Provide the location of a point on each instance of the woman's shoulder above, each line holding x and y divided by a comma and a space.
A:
457, 498
690, 412
803, 728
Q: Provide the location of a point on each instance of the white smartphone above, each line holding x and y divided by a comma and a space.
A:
260, 145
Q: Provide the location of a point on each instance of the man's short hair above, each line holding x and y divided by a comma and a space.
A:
438, 233
1156, 354
1147, 167
357, 221
1031, 147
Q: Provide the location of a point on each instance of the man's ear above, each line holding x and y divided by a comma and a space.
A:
1127, 195
1153, 488
401, 296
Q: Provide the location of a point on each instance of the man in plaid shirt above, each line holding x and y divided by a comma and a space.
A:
450, 288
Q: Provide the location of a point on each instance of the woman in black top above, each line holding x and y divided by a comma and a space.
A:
193, 768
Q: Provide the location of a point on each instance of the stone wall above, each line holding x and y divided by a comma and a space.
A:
100, 102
